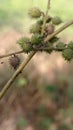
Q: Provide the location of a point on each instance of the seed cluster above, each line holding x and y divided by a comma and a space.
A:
37, 41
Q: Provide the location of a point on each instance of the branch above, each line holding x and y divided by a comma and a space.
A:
17, 72
23, 65
10, 54
66, 25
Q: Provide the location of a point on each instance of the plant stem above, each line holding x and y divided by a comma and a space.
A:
17, 72
10, 54
45, 17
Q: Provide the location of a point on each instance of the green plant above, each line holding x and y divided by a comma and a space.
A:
43, 40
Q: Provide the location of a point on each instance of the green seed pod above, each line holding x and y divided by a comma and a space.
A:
67, 54
35, 28
50, 29
56, 20
36, 39
70, 45
34, 13
60, 45
24, 42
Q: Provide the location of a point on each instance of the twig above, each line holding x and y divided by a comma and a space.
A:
17, 72
10, 54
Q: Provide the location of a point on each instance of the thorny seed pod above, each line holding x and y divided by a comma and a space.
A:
56, 20
34, 13
36, 39
50, 29
14, 61
24, 42
67, 54
35, 28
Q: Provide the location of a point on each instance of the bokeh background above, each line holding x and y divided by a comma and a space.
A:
41, 98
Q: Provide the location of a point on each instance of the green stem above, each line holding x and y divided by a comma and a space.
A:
45, 17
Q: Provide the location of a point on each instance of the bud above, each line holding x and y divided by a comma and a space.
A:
35, 28
34, 13
56, 20
24, 42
